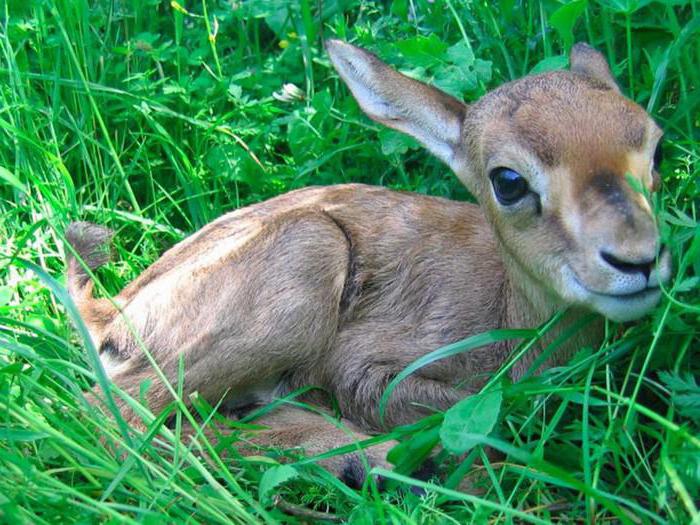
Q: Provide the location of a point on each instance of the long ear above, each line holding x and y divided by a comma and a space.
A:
587, 61
387, 96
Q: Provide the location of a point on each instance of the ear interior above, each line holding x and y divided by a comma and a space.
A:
589, 62
385, 95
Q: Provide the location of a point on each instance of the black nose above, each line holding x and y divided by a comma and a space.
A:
643, 267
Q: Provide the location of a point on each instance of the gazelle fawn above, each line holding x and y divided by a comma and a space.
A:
343, 286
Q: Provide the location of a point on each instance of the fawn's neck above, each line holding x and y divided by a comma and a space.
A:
530, 305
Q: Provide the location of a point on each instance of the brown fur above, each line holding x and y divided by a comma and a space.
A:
342, 287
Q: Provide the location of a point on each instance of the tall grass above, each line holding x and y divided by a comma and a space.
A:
154, 118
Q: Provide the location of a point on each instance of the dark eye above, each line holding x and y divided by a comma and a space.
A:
658, 156
509, 185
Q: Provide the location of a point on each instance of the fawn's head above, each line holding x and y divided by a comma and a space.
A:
561, 163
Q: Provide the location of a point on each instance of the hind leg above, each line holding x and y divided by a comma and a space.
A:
239, 315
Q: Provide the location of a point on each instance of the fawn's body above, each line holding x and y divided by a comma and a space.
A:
343, 287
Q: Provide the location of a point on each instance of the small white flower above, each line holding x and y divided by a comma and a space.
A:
289, 93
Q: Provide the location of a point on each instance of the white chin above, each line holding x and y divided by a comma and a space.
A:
623, 308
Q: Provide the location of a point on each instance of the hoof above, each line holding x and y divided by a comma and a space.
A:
354, 473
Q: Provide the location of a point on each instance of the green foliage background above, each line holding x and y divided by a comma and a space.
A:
156, 117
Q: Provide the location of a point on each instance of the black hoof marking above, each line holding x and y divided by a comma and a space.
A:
426, 471
354, 473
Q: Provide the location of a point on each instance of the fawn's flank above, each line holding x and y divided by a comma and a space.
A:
343, 286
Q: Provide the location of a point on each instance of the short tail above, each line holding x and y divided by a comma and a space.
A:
91, 244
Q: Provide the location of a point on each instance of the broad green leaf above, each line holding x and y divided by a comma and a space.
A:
564, 19
483, 69
456, 80
550, 64
394, 142
399, 8
273, 478
469, 420
423, 51
460, 54
276, 13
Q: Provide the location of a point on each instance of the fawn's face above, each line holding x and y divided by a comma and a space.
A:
561, 163
563, 166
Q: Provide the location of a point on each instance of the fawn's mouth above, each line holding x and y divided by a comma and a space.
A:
624, 297
617, 307
630, 296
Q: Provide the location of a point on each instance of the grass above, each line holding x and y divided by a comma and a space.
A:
155, 118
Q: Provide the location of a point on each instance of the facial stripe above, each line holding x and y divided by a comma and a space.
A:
609, 186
